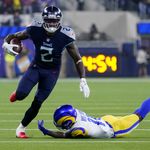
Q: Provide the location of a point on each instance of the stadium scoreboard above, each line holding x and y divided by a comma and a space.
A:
99, 62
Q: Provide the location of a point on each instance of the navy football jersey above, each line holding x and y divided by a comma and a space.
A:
48, 49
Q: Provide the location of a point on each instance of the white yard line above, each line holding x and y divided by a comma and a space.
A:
90, 80
3, 129
8, 121
85, 108
66, 141
53, 103
50, 114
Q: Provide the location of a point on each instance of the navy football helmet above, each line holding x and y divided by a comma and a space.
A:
51, 18
64, 117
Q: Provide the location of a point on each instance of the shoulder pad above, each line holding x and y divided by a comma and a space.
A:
36, 23
68, 31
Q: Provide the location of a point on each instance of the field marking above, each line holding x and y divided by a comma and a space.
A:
74, 141
50, 120
89, 80
3, 129
51, 114
43, 114
20, 113
73, 103
85, 108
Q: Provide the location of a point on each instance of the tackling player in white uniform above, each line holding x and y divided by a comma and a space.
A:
77, 124
89, 127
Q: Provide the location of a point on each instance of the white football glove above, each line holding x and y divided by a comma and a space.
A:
9, 48
84, 87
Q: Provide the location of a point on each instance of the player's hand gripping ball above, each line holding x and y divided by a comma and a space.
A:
15, 41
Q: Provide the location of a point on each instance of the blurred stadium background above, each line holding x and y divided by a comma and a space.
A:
109, 33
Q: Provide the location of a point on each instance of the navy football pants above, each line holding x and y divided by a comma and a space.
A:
46, 80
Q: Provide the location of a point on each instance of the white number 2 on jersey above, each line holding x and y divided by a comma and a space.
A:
46, 54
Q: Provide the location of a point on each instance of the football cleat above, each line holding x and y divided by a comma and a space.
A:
20, 132
12, 97
22, 135
64, 117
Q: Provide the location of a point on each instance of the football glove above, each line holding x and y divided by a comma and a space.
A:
9, 48
84, 87
41, 127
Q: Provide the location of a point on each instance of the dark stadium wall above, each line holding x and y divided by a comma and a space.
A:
106, 62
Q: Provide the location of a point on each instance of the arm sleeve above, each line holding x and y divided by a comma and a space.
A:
29, 31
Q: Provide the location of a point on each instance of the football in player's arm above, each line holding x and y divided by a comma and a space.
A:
50, 38
77, 124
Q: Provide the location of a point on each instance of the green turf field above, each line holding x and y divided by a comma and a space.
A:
108, 96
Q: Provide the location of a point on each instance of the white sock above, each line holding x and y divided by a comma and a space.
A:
20, 128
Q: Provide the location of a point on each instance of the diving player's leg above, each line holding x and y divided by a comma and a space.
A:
45, 87
25, 85
124, 125
144, 109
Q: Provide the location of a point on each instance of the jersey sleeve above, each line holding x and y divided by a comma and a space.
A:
69, 33
77, 133
29, 31
30, 28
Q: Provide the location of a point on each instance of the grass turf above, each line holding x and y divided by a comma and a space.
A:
108, 96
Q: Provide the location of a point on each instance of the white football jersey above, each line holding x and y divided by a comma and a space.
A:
90, 127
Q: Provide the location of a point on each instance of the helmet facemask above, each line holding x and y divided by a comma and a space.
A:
51, 25
51, 18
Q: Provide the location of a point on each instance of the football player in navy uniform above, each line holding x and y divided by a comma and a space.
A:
50, 39
77, 124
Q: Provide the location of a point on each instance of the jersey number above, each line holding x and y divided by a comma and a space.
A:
46, 55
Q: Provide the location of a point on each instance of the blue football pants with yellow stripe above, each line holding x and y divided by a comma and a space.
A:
122, 126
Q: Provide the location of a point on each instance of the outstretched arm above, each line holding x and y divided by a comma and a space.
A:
55, 134
74, 53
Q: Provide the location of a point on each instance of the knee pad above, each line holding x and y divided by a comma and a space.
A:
20, 95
